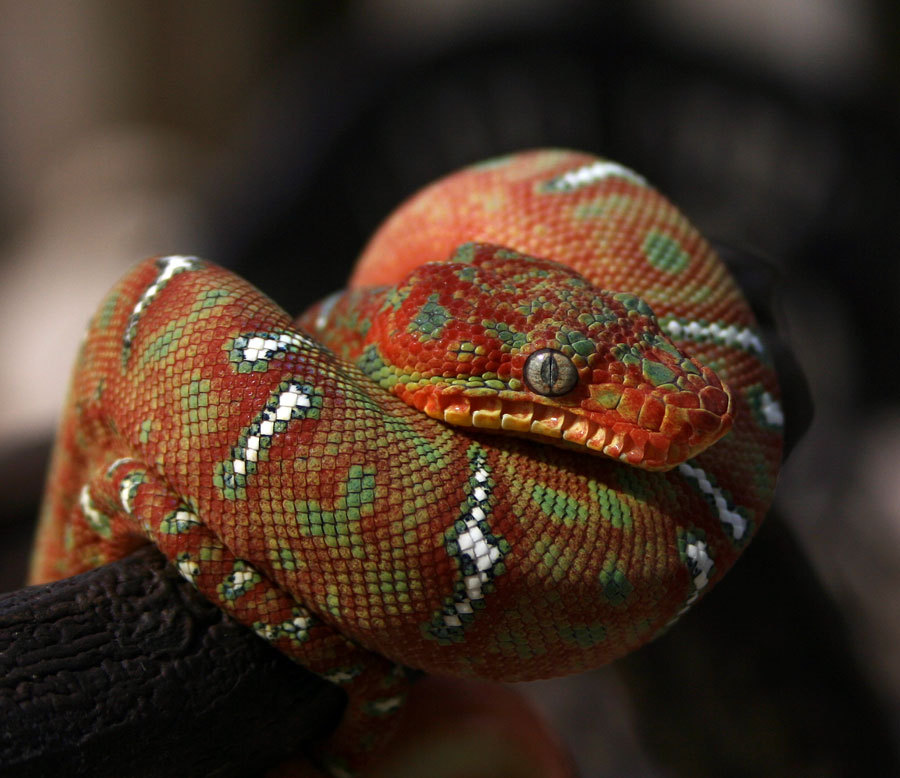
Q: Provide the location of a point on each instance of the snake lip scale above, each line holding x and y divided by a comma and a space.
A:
634, 445
354, 485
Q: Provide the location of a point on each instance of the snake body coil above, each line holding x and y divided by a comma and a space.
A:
567, 502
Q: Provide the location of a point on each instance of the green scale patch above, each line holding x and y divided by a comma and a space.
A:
198, 415
465, 254
559, 506
536, 304
567, 510
633, 304
571, 341
104, 316
558, 559
145, 430
158, 348
282, 557
211, 298
605, 207
615, 584
375, 367
430, 319
387, 376
665, 253
508, 336
613, 509
340, 526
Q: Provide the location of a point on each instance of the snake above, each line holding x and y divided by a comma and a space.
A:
536, 427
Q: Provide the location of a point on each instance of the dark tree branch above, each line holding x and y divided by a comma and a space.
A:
127, 670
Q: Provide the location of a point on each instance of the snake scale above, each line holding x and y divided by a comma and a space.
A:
473, 462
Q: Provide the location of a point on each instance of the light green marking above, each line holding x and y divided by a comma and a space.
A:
606, 398
162, 344
559, 506
195, 393
510, 338
387, 376
633, 304
576, 341
612, 508
558, 559
665, 253
630, 355
465, 254
430, 319
198, 417
616, 587
340, 526
569, 511
211, 298
105, 314
281, 557
602, 207
656, 373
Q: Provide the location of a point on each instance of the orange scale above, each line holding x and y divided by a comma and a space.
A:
683, 400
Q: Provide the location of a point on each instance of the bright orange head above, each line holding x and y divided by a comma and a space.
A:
500, 340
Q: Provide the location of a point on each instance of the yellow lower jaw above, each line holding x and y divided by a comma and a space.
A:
553, 424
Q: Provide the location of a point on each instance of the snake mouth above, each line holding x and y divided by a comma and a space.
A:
681, 433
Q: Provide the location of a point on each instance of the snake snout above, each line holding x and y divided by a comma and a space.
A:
657, 428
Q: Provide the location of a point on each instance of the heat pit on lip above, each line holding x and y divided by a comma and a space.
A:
546, 421
656, 433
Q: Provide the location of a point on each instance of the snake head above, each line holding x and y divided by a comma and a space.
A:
504, 341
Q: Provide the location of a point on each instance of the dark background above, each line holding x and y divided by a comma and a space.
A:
273, 137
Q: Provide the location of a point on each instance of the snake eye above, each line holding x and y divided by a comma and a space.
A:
549, 372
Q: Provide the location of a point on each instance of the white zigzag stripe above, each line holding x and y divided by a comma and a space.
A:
591, 174
726, 513
729, 335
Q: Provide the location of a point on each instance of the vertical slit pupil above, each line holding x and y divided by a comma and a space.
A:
549, 371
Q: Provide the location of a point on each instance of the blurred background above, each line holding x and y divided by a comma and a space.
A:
272, 137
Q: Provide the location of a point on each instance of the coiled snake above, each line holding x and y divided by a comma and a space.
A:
473, 462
